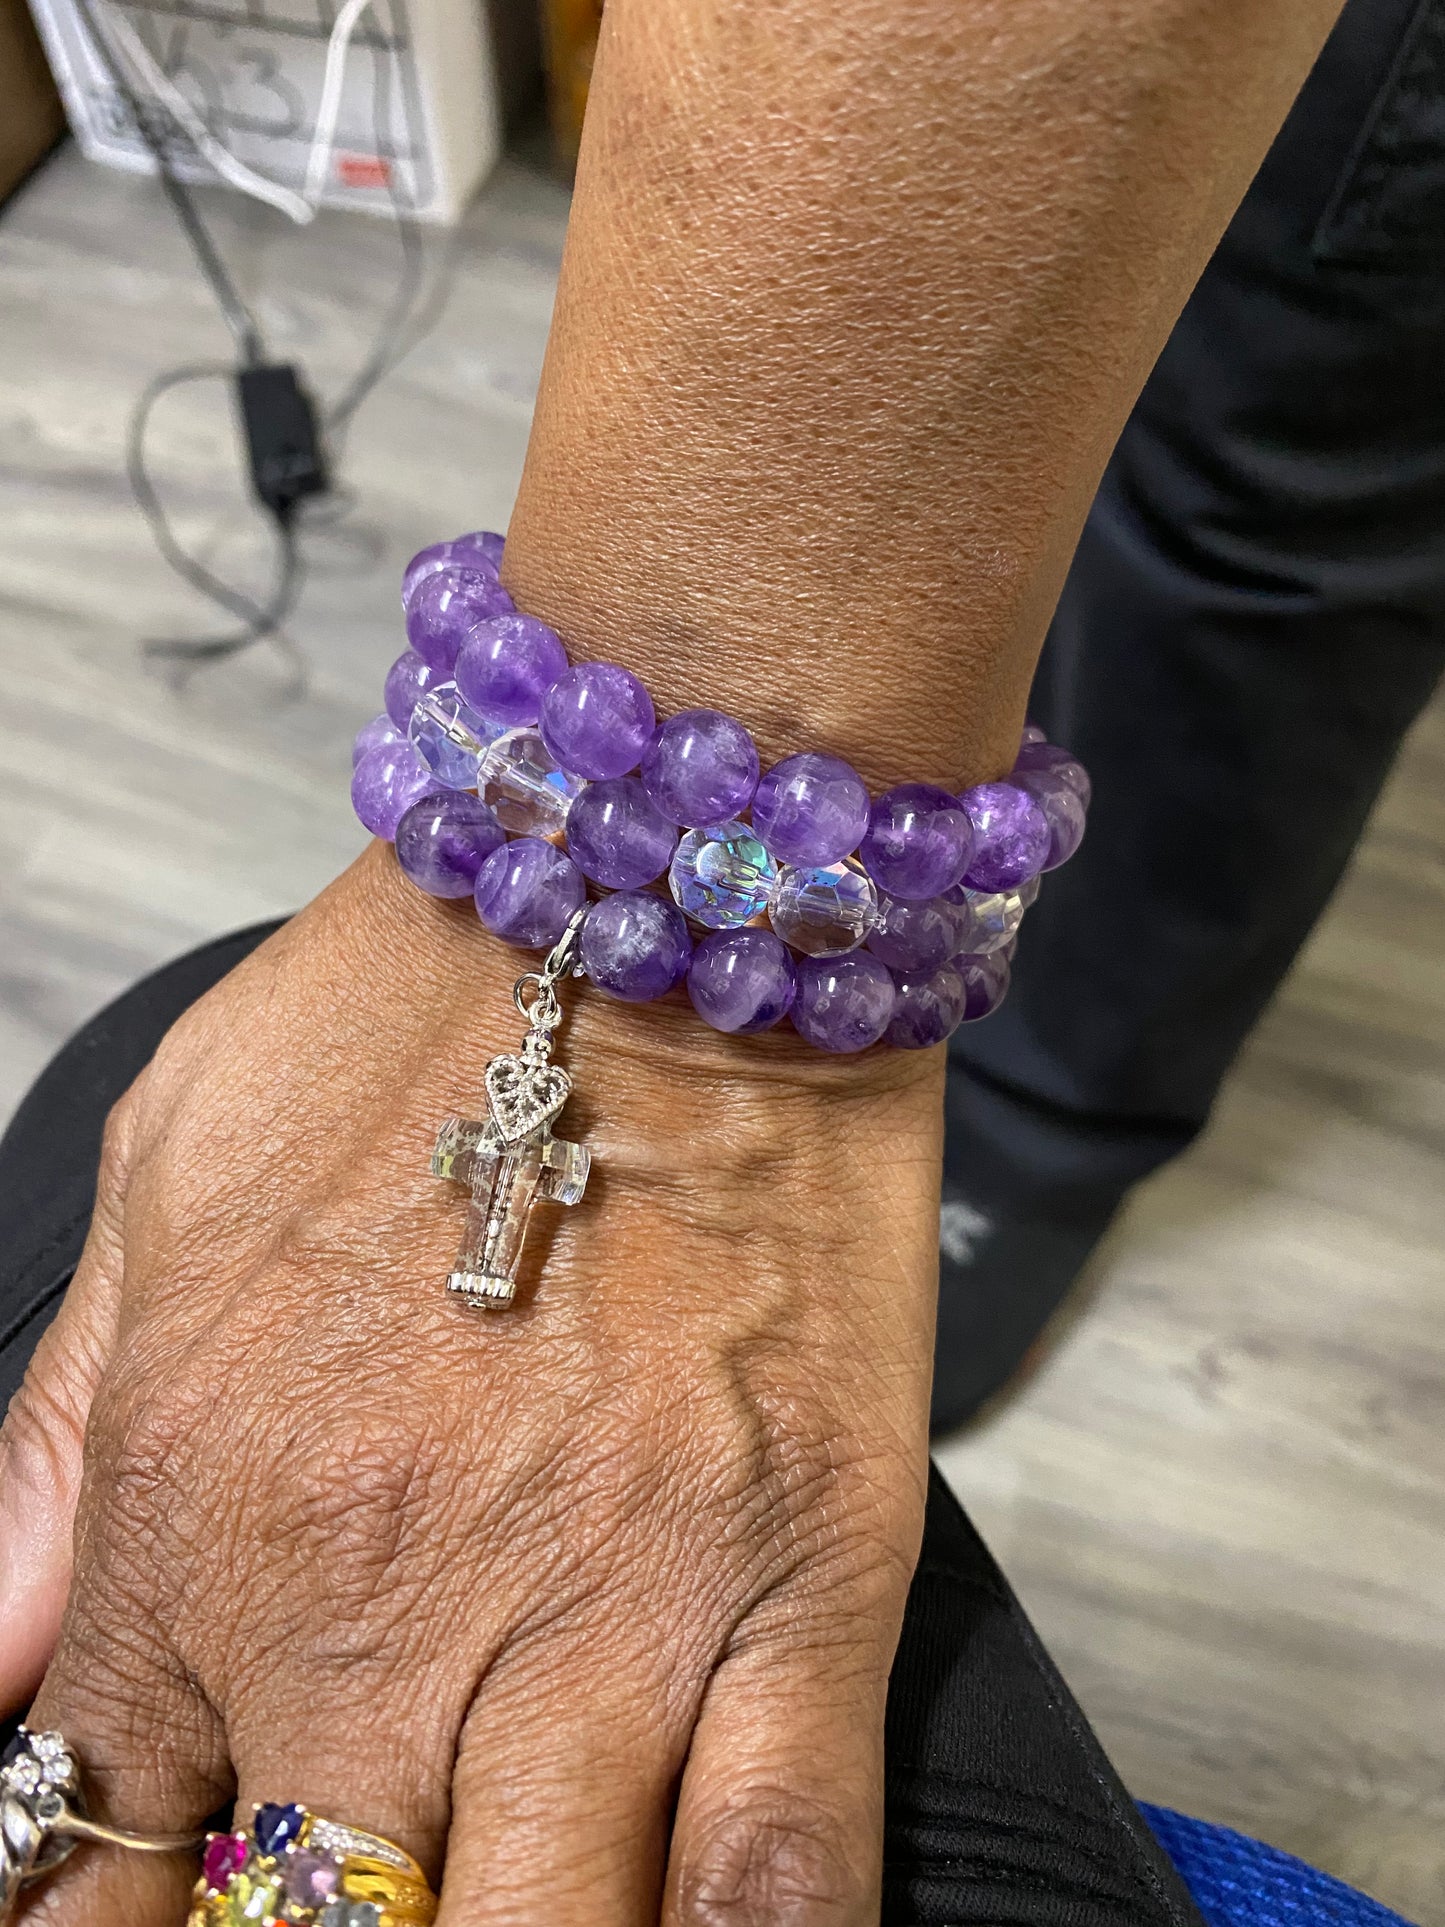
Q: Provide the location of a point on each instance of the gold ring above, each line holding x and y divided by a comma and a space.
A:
294, 1866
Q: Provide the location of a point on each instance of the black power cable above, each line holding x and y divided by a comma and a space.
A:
279, 422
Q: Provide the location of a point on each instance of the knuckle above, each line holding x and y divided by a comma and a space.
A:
41, 1437
356, 1503
772, 1859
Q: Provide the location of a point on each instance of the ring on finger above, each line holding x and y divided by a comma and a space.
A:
44, 1818
295, 1866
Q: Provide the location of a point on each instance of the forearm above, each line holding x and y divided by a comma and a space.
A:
856, 298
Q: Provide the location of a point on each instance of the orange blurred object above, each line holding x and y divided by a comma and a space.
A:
569, 29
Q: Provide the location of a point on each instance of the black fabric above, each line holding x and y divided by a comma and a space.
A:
1255, 615
1001, 1806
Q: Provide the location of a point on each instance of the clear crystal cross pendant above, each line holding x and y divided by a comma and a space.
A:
510, 1158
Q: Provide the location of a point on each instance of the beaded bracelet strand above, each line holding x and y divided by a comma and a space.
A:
548, 792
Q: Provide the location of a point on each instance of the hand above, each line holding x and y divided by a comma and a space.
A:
596, 1599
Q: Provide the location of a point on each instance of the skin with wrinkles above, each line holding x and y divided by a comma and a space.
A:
597, 1599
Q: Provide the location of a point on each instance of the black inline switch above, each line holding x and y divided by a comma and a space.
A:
283, 436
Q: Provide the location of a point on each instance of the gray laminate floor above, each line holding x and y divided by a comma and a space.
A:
1224, 1498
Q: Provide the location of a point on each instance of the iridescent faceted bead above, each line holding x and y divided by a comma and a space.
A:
1031, 734
449, 736
811, 809
1064, 811
917, 938
443, 841
506, 665
1049, 758
597, 719
481, 550
385, 784
843, 1003
927, 1009
824, 909
635, 947
986, 981
617, 836
524, 787
528, 891
1010, 836
918, 843
380, 733
701, 768
992, 919
407, 681
741, 981
445, 606
722, 877
311, 1878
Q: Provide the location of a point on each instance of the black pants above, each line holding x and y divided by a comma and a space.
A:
1255, 615
1001, 1806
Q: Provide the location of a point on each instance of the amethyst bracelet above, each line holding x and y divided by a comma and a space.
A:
543, 789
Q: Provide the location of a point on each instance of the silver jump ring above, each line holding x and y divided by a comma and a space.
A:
43, 1817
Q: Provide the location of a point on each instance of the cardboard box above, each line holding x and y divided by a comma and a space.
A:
31, 120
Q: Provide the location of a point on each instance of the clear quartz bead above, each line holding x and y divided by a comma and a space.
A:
449, 736
722, 878
994, 917
826, 909
527, 791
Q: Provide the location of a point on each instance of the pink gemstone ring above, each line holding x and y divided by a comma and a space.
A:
291, 1866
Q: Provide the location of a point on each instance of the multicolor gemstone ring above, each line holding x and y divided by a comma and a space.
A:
43, 1816
294, 1867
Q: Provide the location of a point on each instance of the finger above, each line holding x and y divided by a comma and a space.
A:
41, 1445
354, 1672
151, 1751
780, 1816
563, 1787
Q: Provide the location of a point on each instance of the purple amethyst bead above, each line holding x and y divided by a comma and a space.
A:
380, 733
407, 681
527, 892
1031, 734
445, 606
915, 939
481, 551
1064, 811
928, 1008
811, 810
701, 769
385, 784
617, 835
1011, 836
635, 947
919, 842
843, 1003
1057, 762
741, 981
506, 665
597, 719
986, 981
443, 840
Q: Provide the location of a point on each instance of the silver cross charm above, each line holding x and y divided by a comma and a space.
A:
510, 1159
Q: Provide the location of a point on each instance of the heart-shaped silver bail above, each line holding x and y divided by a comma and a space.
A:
524, 1096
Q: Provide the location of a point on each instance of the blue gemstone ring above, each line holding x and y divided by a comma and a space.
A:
293, 1866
